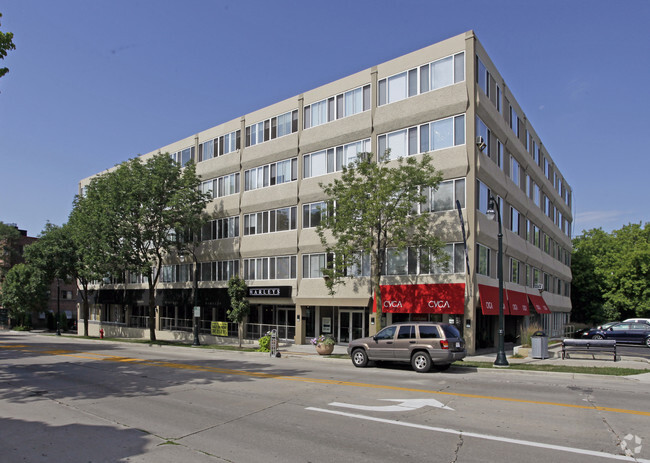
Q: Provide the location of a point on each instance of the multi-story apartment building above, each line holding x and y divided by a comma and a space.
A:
263, 171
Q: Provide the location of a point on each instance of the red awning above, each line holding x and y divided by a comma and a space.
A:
441, 298
518, 303
490, 300
539, 304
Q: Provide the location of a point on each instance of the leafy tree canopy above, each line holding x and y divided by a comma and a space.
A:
133, 213
24, 291
6, 44
373, 205
611, 274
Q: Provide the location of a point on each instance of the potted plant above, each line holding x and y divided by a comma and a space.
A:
324, 344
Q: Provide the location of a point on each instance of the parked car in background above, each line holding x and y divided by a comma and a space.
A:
638, 320
624, 332
604, 326
422, 344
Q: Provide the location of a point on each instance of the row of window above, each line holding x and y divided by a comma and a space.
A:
522, 274
333, 159
221, 186
531, 145
283, 219
275, 173
438, 74
272, 128
521, 226
443, 133
219, 146
441, 199
337, 107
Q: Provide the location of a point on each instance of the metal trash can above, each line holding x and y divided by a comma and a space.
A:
539, 343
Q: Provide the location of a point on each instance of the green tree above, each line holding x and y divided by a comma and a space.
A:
374, 205
611, 274
54, 255
239, 305
139, 206
6, 44
588, 283
24, 291
9, 236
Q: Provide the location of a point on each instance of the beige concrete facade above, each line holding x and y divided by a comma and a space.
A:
311, 310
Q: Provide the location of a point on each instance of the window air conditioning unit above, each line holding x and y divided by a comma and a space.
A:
480, 143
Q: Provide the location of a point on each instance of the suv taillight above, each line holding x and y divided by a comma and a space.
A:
444, 344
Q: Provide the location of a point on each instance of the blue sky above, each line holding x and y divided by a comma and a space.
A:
93, 83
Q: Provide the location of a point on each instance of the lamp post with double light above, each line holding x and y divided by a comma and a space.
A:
501, 360
195, 299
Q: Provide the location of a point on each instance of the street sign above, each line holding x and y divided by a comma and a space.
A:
197, 311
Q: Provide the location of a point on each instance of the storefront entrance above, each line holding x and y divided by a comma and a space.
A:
351, 325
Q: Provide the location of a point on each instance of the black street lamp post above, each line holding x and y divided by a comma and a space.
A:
58, 308
195, 299
501, 360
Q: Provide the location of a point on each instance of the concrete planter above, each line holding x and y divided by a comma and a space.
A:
523, 351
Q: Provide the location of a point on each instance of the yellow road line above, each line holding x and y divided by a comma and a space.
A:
182, 366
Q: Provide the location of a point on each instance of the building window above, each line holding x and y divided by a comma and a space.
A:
482, 77
482, 260
222, 270
515, 265
313, 213
334, 159
514, 170
483, 194
227, 227
445, 196
456, 263
514, 220
184, 156
208, 150
443, 133
271, 174
361, 267
222, 186
277, 220
270, 268
514, 121
438, 74
337, 107
272, 128
313, 265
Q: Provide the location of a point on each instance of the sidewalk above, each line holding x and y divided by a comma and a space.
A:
578, 359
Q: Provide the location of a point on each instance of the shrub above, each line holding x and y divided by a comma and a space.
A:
265, 344
528, 333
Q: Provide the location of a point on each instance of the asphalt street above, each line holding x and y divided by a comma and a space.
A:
78, 400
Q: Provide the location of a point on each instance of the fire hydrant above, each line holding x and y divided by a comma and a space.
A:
101, 334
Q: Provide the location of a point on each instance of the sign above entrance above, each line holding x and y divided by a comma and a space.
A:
447, 298
269, 291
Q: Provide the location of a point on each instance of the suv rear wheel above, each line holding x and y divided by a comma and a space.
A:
359, 358
421, 361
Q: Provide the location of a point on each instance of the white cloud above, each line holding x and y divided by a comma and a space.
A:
607, 220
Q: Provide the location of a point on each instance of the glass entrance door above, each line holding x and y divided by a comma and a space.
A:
285, 323
351, 324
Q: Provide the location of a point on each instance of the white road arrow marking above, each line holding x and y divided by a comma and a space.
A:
404, 405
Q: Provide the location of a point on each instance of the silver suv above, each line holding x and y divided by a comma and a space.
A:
423, 344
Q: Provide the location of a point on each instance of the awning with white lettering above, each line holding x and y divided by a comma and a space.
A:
518, 303
539, 304
443, 298
490, 300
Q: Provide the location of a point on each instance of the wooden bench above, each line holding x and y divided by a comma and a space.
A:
590, 346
